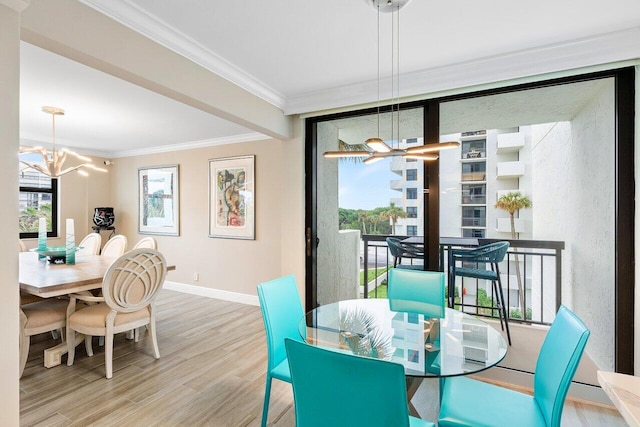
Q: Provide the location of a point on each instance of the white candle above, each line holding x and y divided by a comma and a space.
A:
70, 226
42, 225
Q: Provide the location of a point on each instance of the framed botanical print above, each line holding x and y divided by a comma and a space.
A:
158, 200
231, 197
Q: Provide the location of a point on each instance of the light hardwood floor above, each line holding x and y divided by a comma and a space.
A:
211, 373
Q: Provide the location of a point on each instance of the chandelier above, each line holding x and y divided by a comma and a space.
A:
378, 149
53, 161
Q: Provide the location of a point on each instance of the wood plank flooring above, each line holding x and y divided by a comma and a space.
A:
211, 373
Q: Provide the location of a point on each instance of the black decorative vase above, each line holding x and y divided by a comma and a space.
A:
103, 217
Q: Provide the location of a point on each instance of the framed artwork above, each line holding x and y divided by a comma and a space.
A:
158, 200
231, 197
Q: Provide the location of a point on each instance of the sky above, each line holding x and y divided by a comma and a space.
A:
363, 186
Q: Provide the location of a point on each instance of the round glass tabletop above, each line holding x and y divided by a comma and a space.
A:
429, 341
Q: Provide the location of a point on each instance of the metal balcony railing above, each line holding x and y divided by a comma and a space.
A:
539, 262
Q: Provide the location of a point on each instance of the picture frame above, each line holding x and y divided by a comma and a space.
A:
159, 200
232, 197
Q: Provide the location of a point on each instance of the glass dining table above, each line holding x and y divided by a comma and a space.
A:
429, 341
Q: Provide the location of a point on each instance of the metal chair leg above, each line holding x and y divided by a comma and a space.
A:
504, 310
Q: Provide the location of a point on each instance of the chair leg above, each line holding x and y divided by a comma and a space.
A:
71, 345
499, 303
154, 339
108, 354
504, 309
24, 343
265, 406
88, 345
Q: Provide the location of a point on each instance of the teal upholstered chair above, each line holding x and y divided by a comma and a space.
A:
400, 250
492, 254
416, 291
325, 383
281, 311
467, 402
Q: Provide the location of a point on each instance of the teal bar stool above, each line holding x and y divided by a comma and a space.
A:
467, 402
416, 291
492, 254
401, 250
281, 311
326, 382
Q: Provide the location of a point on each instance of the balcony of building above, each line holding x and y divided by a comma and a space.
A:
507, 170
510, 142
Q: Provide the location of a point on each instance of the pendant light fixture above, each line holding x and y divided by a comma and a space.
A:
52, 162
379, 149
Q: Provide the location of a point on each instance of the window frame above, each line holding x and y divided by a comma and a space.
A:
53, 190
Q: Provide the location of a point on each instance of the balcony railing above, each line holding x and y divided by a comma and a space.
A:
539, 262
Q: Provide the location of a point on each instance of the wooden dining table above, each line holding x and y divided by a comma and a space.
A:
39, 277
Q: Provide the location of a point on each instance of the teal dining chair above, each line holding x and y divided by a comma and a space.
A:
416, 291
467, 402
325, 382
281, 312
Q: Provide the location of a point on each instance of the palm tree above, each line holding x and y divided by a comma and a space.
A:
512, 203
362, 216
393, 213
343, 146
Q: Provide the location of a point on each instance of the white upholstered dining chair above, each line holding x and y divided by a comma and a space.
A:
146, 242
129, 288
115, 246
90, 244
46, 315
21, 246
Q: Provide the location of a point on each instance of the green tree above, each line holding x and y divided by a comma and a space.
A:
343, 146
393, 213
512, 203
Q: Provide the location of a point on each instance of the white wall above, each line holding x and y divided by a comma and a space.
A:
572, 191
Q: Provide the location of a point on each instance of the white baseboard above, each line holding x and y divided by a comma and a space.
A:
212, 293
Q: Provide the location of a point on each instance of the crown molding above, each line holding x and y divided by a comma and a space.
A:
234, 139
16, 5
591, 51
133, 17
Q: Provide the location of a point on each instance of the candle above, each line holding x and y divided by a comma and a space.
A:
71, 243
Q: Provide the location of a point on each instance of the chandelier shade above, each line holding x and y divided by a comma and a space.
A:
52, 163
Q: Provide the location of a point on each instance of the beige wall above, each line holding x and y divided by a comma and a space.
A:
230, 265
9, 88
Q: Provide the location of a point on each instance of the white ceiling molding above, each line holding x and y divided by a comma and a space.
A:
249, 137
133, 17
604, 49
16, 5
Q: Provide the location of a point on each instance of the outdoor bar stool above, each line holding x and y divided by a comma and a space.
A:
488, 254
401, 250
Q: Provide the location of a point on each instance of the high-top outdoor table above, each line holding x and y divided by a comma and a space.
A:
429, 341
46, 280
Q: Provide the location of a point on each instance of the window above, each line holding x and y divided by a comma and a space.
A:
412, 212
474, 194
474, 216
474, 171
472, 232
412, 193
411, 140
410, 160
38, 198
412, 174
474, 149
412, 230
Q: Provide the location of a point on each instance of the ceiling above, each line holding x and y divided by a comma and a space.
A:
303, 56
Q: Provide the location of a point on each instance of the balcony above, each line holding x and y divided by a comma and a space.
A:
396, 184
506, 170
510, 142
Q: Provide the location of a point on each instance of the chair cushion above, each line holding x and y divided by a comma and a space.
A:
281, 371
476, 273
47, 312
467, 402
95, 316
410, 267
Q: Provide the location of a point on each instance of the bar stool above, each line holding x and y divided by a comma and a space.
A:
488, 254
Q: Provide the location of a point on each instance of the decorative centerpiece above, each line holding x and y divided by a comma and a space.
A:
55, 254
